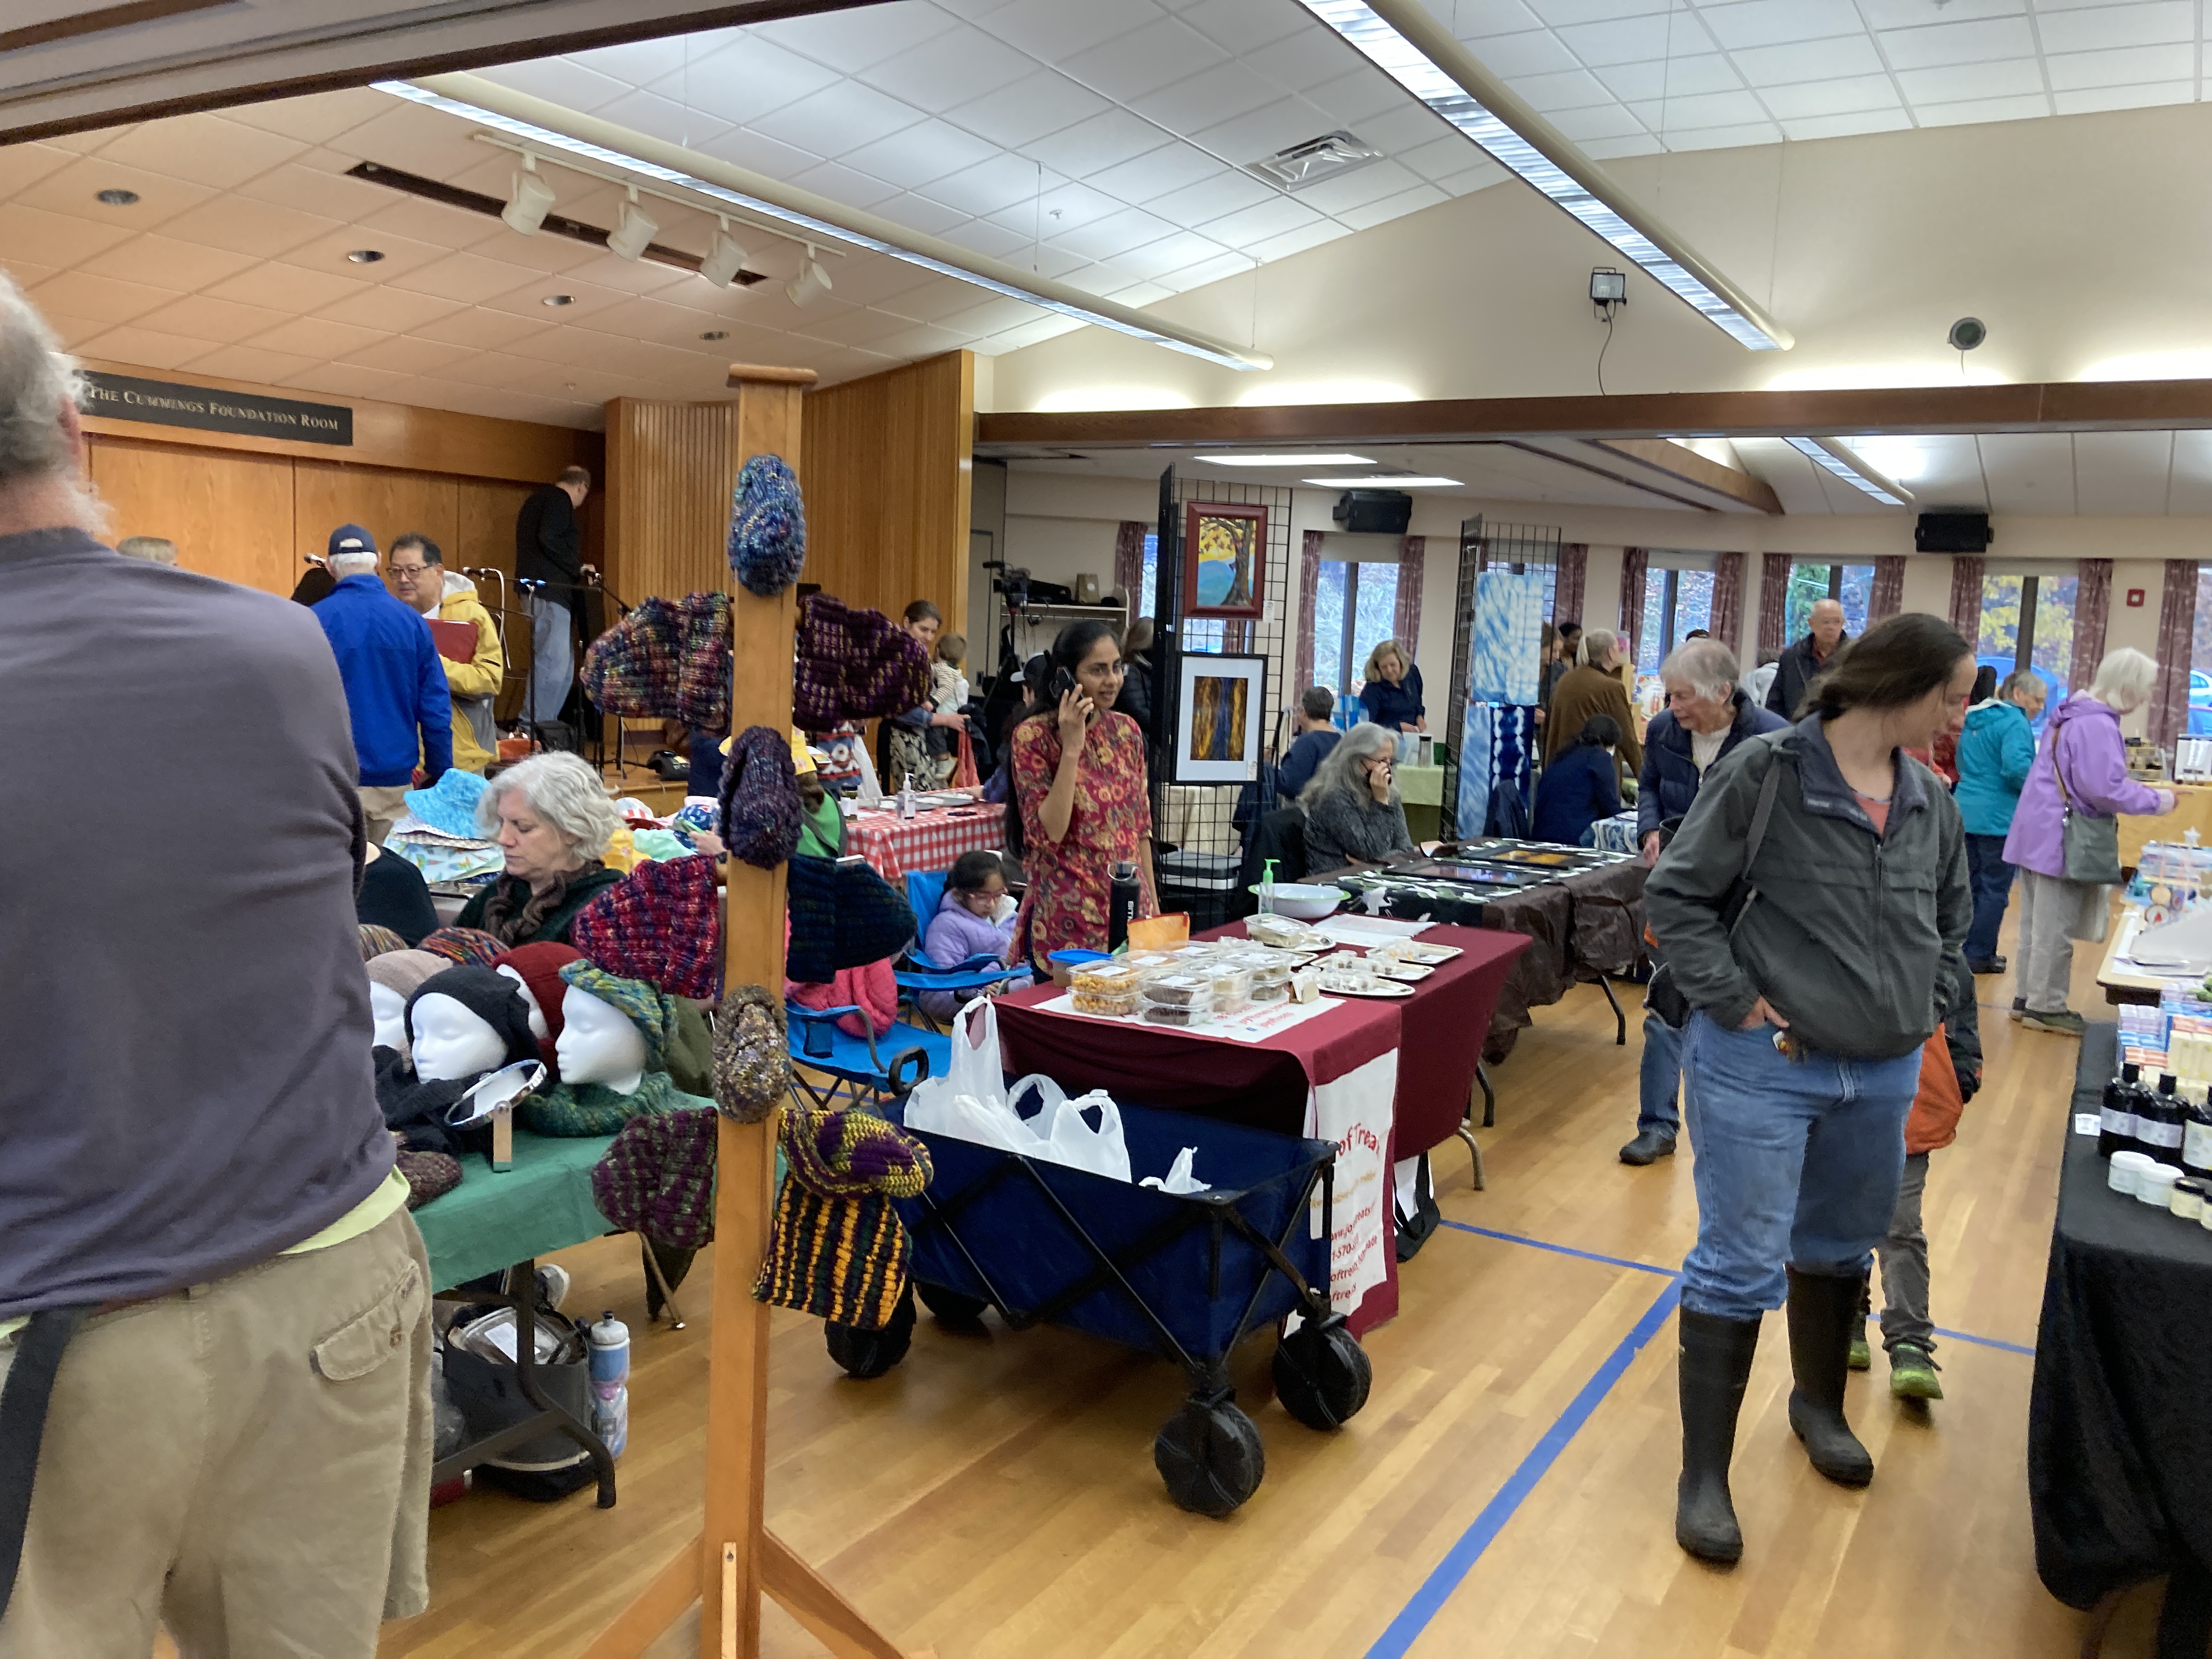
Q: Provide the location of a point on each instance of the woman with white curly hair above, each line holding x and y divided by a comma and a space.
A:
553, 820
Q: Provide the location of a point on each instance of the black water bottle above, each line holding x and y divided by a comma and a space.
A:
1121, 904
2158, 1129
2196, 1134
2115, 1124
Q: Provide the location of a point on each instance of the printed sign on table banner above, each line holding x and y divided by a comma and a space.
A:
1354, 1111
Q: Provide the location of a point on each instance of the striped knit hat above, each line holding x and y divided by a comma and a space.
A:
839, 1250
662, 923
468, 946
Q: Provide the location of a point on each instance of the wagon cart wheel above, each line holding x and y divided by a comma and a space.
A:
1323, 1374
1209, 1454
951, 1306
865, 1354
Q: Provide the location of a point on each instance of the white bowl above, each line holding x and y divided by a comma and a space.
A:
1304, 901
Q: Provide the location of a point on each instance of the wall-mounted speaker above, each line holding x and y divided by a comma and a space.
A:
1952, 533
1374, 511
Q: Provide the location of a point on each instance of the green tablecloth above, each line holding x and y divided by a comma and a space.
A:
1421, 790
493, 1220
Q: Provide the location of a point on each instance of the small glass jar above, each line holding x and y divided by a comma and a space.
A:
2187, 1199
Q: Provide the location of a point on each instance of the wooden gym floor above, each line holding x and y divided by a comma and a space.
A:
1508, 1489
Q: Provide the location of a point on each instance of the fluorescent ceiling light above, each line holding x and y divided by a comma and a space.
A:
1283, 460
1828, 453
1409, 45
1387, 483
549, 127
529, 199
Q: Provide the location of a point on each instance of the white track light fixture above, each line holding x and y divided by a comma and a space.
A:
813, 283
628, 240
724, 259
528, 200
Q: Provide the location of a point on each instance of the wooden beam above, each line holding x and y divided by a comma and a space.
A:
2062, 406
1670, 461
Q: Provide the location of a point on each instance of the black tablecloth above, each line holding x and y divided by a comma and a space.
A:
2119, 1452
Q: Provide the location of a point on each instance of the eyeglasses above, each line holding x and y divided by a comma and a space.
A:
408, 569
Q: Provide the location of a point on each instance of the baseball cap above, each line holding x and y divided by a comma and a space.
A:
350, 539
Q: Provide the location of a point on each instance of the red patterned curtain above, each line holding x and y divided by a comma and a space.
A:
1887, 596
1129, 567
1773, 599
1309, 591
2177, 630
1727, 621
1966, 596
1634, 561
1567, 590
1407, 625
2093, 602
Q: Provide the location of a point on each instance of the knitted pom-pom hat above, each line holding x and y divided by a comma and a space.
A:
377, 941
752, 1061
662, 923
470, 946
658, 1178
767, 527
652, 1014
761, 810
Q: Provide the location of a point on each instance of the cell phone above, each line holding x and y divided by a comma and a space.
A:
1062, 683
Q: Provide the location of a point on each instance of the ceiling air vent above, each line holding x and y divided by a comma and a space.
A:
1315, 159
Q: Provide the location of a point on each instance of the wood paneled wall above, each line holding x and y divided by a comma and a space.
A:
670, 468
885, 474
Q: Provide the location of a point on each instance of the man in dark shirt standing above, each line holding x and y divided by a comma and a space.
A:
549, 549
215, 1326
1804, 661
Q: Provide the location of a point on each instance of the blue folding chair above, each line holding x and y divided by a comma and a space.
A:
856, 1065
924, 892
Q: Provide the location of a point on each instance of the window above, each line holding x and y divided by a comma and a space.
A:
1203, 634
2027, 621
1853, 583
1677, 601
1355, 610
2200, 658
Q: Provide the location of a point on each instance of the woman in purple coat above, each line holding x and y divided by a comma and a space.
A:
2084, 762
969, 923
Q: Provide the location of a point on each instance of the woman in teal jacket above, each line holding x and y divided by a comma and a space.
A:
1996, 748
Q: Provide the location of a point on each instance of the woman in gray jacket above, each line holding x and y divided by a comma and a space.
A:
1810, 908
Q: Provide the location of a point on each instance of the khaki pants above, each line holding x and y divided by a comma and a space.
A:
381, 808
247, 1461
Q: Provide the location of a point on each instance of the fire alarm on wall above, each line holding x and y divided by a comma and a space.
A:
2135, 598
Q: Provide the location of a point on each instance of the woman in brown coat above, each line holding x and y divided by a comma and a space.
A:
1592, 687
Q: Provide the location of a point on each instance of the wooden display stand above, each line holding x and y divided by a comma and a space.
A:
735, 1557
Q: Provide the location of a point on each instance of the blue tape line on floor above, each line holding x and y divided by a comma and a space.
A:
1428, 1601
1563, 1250
1985, 1341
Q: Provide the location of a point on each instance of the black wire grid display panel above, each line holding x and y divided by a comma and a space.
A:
1198, 819
1515, 547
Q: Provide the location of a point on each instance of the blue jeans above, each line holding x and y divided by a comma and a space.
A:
1991, 880
1659, 1078
1797, 1163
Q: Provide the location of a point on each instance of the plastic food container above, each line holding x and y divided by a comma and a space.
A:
2187, 1199
1270, 975
2125, 1166
1106, 978
1120, 1003
2155, 1184
1232, 983
1179, 990
1162, 1013
1277, 991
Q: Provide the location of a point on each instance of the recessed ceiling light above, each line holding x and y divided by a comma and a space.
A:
1284, 460
1827, 453
117, 197
1386, 482
715, 334
558, 300
365, 256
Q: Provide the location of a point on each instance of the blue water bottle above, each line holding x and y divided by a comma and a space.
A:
610, 1361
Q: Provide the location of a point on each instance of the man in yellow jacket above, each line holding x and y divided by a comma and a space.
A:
418, 572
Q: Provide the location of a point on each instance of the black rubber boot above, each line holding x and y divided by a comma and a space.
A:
1715, 1364
1823, 1308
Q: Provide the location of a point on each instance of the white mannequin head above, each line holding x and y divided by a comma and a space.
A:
598, 1044
388, 1008
537, 1026
451, 1042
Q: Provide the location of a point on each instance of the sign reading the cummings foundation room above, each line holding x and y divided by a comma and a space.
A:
163, 402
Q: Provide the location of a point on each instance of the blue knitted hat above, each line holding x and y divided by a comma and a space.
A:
767, 527
450, 805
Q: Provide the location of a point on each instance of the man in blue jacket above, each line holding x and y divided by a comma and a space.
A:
1706, 716
395, 686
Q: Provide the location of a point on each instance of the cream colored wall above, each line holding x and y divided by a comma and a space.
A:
2081, 240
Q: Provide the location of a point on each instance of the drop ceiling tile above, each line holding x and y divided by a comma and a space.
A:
479, 327
840, 183
986, 187
22, 166
345, 380
1561, 13
1908, 14
942, 298
871, 280
746, 79
1443, 157
1031, 107
143, 347
1242, 25
759, 152
551, 255
1724, 137
1408, 127
1308, 58
863, 325
2103, 27
2103, 98
1370, 183
1939, 43
586, 301
1063, 208
309, 190
1050, 30
1178, 252
2025, 107
1306, 236
220, 322
849, 41
2019, 78
1550, 94
1359, 94
74, 332
72, 190
1808, 60
1604, 121
1112, 234
391, 309
400, 354
1846, 125
928, 150
566, 81
251, 362
317, 118
1155, 174
1539, 52
1279, 125
641, 63
1226, 191
1255, 224
1772, 22
318, 336
97, 298
2029, 472
1685, 78
467, 277
1141, 62
2127, 66
1048, 327
1815, 99
435, 224
837, 119
1140, 294
25, 274
2191, 490
1672, 116
1652, 39
659, 113
921, 213
1483, 175
244, 226
1392, 207
163, 261
206, 149
950, 69
1105, 141
54, 238
980, 321
2122, 472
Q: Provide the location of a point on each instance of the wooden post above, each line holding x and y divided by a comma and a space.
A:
735, 1557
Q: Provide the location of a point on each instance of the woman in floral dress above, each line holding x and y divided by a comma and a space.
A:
1081, 806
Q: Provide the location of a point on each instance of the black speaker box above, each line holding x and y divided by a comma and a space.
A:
1952, 533
1376, 511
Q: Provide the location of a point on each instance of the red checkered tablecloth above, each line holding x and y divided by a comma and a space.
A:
928, 841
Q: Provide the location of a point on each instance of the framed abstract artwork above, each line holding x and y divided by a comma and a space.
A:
1225, 560
1219, 739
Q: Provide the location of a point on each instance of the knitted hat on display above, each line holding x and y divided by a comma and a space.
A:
767, 527
703, 658
376, 940
470, 946
491, 998
891, 672
753, 1061
405, 970
667, 659
810, 894
449, 805
653, 1012
838, 1250
824, 652
658, 1178
760, 799
662, 923
538, 967
844, 1153
873, 918
429, 1175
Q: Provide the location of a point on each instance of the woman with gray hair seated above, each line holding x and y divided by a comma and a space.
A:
1353, 813
553, 820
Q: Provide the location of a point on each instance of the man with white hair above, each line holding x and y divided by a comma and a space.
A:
1803, 662
1706, 716
215, 1330
395, 686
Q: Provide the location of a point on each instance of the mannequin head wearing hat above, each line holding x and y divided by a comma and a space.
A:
599, 1043
393, 978
465, 1022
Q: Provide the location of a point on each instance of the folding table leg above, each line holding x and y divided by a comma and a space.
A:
1481, 1180
1620, 1019
1489, 1097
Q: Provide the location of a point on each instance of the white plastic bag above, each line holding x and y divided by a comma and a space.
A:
969, 1101
1074, 1142
1179, 1178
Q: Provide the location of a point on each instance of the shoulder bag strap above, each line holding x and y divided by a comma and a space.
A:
1767, 789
